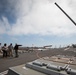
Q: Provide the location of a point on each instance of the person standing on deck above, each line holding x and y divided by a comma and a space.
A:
16, 49
5, 49
10, 48
0, 47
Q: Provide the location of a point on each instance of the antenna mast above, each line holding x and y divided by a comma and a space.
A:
65, 14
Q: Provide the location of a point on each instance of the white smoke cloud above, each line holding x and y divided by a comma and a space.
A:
42, 17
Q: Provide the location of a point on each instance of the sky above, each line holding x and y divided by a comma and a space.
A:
37, 22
